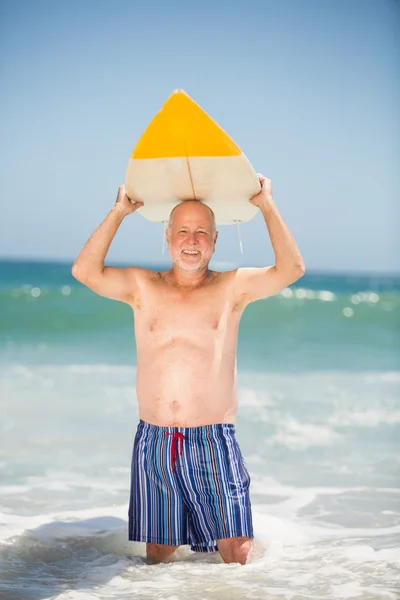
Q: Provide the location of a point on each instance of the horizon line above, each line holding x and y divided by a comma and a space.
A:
232, 264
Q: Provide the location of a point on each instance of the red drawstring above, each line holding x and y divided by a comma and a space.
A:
174, 452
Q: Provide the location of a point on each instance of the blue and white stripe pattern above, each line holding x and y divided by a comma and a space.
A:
196, 497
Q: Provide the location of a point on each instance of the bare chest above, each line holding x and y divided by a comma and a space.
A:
165, 311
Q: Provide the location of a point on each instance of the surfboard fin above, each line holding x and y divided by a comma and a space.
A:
239, 238
163, 237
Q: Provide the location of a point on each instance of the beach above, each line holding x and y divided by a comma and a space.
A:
318, 424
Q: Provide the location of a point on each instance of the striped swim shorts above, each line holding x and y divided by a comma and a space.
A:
189, 485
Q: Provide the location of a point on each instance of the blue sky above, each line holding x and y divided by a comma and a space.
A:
308, 89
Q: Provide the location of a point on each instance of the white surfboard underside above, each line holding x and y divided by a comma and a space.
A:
224, 183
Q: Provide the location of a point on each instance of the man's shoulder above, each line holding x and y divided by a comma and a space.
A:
142, 272
227, 276
225, 280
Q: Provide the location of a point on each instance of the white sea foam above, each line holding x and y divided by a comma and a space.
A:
291, 555
252, 398
386, 377
307, 294
298, 436
326, 509
367, 418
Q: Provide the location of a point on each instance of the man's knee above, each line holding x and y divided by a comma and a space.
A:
235, 550
159, 552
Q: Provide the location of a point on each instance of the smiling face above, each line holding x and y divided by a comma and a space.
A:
191, 235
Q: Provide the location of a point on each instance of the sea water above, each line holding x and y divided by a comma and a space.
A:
318, 424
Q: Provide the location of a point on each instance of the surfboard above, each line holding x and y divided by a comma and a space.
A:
185, 155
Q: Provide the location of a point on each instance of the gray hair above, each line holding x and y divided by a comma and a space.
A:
199, 202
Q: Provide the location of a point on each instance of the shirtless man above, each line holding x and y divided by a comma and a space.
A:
190, 484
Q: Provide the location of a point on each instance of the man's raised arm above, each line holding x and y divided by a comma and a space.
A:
257, 283
89, 269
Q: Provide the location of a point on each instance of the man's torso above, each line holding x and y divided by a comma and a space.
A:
186, 350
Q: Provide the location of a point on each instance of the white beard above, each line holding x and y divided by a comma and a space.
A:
194, 265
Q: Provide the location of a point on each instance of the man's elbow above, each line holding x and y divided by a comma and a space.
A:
89, 277
295, 272
75, 271
299, 270
79, 274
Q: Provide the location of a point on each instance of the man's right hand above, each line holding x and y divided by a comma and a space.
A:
112, 282
123, 204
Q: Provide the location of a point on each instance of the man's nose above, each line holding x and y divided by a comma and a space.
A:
192, 238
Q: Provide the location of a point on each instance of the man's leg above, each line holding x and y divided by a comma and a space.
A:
235, 550
216, 494
159, 552
156, 508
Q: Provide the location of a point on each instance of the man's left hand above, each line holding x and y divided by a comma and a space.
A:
264, 198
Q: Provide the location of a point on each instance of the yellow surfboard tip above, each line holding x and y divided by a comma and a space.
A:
183, 129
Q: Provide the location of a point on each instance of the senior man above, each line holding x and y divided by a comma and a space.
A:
189, 481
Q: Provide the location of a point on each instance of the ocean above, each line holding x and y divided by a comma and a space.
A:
318, 424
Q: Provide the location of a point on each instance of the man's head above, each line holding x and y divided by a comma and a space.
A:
191, 235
